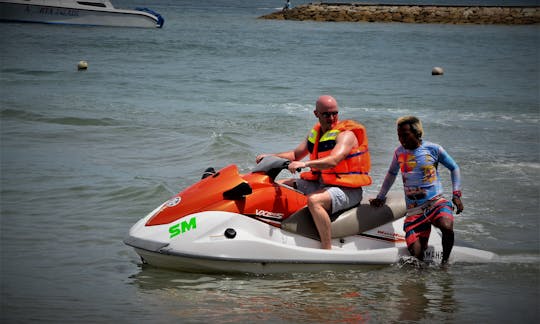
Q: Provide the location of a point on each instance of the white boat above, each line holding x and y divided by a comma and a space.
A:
229, 222
73, 12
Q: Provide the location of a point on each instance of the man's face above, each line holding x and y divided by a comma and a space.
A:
407, 138
328, 117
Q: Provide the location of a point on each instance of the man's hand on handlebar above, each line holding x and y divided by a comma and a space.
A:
296, 166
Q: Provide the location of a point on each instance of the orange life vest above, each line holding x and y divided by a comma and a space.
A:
353, 171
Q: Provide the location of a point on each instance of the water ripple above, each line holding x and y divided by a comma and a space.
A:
73, 121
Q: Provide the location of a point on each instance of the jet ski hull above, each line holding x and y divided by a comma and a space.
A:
257, 247
199, 264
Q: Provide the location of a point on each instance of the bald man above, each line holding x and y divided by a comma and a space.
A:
339, 164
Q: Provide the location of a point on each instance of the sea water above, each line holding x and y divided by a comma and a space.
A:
85, 154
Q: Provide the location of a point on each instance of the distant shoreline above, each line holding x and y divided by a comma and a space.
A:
441, 14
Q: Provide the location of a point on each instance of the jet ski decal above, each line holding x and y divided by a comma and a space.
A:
183, 227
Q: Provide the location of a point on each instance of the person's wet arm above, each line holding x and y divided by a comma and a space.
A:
455, 175
389, 180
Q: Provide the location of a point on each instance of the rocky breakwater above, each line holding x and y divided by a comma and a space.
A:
410, 14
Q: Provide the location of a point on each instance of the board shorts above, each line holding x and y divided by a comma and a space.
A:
418, 221
342, 197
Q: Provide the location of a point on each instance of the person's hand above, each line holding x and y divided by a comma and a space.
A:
376, 202
459, 205
296, 165
260, 157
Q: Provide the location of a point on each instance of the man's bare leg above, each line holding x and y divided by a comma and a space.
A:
319, 203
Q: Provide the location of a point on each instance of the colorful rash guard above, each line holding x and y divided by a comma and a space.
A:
418, 167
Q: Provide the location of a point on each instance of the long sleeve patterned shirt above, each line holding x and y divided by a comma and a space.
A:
419, 172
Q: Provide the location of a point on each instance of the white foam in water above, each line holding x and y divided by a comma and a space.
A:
409, 261
520, 258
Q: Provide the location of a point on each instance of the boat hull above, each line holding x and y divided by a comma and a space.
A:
260, 248
200, 264
37, 13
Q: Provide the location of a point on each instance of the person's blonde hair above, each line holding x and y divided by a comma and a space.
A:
414, 123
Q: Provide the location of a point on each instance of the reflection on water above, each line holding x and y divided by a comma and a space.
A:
414, 303
425, 295
373, 294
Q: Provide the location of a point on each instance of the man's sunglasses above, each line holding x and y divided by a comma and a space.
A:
327, 114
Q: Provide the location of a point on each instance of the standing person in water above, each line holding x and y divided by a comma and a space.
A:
339, 163
418, 161
287, 5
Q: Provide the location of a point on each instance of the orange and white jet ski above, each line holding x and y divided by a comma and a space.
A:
229, 222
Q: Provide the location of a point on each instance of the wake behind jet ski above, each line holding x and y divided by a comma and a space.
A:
232, 222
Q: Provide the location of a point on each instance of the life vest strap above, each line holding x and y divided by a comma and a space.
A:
336, 173
350, 156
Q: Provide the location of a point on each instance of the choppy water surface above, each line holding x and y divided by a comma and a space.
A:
86, 154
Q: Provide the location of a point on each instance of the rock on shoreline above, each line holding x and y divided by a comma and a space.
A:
354, 12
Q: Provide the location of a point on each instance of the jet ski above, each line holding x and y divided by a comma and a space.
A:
252, 223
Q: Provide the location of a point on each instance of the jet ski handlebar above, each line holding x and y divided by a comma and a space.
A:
272, 166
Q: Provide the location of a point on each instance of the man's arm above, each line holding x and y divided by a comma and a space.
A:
345, 142
387, 183
455, 175
297, 154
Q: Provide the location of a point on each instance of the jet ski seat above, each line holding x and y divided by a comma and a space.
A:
349, 222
